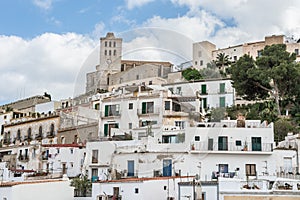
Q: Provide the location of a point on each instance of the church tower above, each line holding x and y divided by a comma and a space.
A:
110, 53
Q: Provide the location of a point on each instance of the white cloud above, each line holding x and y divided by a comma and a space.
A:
137, 3
49, 62
43, 4
98, 30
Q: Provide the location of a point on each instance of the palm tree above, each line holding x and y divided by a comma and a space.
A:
222, 60
83, 186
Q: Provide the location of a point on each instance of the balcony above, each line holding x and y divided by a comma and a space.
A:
50, 135
111, 114
171, 113
6, 141
38, 136
150, 111
216, 147
23, 158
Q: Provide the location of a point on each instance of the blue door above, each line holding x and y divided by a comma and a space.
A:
167, 167
130, 167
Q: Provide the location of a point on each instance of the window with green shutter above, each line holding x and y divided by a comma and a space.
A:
222, 102
106, 110
203, 89
222, 87
105, 129
144, 107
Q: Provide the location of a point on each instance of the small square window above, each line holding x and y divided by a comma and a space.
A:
238, 143
167, 105
130, 106
71, 150
197, 138
165, 187
136, 190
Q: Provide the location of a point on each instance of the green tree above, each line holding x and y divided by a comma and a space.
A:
191, 74
222, 60
281, 128
217, 114
83, 186
273, 74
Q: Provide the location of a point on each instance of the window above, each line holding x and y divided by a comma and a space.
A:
147, 107
109, 43
52, 129
109, 52
222, 102
259, 53
178, 90
167, 167
137, 77
136, 190
196, 62
297, 51
97, 106
108, 127
150, 82
29, 133
167, 105
223, 168
105, 52
122, 67
238, 143
112, 110
40, 131
250, 170
180, 124
94, 174
105, 43
201, 62
203, 89
130, 125
197, 138
256, 143
130, 106
222, 88
235, 58
114, 44
71, 151
130, 168
115, 52
19, 134
223, 143
95, 156
171, 89
204, 102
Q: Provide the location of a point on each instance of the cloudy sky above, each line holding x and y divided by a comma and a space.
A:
46, 45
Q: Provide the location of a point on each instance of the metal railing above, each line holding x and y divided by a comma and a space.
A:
231, 146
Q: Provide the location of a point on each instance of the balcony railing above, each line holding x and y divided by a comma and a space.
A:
38, 136
23, 157
6, 141
110, 114
153, 111
175, 113
50, 135
231, 146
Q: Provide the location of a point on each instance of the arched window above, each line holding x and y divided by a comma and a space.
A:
105, 43
110, 52
115, 52
19, 134
105, 52
114, 44
29, 133
109, 44
52, 129
40, 131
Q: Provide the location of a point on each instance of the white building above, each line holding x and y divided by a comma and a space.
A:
32, 190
